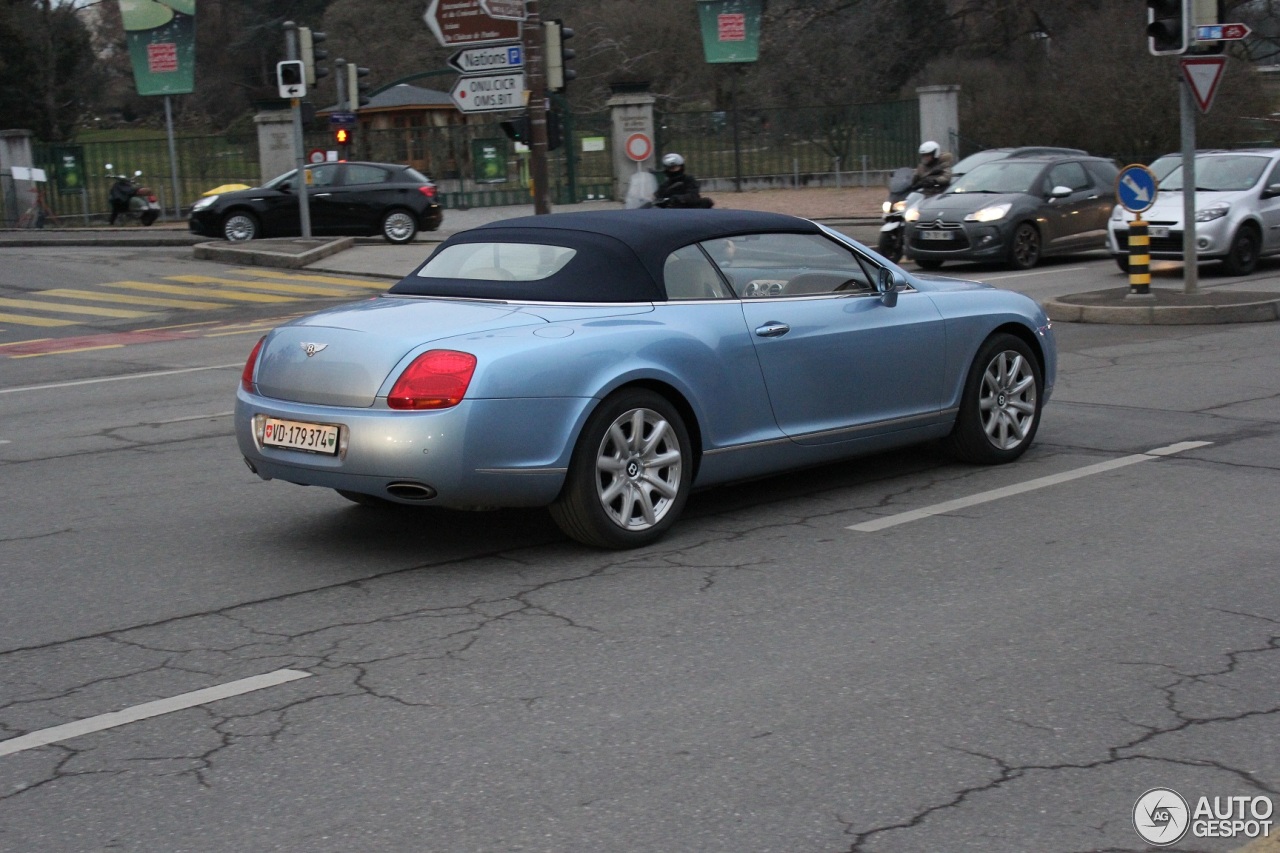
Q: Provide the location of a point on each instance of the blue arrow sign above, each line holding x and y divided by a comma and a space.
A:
1136, 188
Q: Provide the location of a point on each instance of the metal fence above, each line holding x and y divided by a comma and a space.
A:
784, 147
204, 162
758, 147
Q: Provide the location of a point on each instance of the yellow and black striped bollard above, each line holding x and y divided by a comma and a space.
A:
1139, 259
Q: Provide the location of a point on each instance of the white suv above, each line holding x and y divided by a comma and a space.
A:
1237, 212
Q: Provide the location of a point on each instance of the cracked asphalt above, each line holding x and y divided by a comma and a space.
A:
1007, 677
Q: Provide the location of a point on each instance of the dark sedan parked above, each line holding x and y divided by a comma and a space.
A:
393, 200
1016, 210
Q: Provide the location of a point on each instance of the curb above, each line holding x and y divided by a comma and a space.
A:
1248, 308
286, 253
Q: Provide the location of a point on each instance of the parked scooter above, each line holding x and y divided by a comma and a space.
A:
128, 198
902, 197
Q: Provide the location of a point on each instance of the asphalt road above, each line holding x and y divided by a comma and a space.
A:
894, 654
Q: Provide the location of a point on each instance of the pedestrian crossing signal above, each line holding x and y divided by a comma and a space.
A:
342, 136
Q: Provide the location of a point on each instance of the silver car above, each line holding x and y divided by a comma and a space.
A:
1237, 212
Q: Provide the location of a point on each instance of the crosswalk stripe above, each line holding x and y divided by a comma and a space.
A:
211, 292
20, 320
307, 290
120, 298
73, 309
322, 279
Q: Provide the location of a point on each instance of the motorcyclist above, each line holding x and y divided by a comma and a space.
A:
679, 189
933, 174
121, 191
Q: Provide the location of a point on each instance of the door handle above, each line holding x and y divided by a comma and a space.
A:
773, 329
323, 195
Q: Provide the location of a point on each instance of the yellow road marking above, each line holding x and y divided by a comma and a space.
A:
65, 351
216, 293
309, 290
19, 320
323, 279
121, 298
73, 309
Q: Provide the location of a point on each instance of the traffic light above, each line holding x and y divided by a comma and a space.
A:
1168, 26
517, 130
554, 35
355, 89
342, 136
307, 41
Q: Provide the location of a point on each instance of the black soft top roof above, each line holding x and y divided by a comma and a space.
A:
620, 252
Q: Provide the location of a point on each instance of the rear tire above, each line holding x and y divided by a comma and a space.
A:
630, 474
399, 226
150, 216
1000, 410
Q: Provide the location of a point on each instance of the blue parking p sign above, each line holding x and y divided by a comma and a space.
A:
1136, 188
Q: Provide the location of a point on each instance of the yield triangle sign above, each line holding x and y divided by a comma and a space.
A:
1203, 73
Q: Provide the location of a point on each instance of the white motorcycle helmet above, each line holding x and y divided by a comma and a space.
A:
930, 149
672, 161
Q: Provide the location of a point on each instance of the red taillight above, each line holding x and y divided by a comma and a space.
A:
246, 376
151, 198
428, 191
435, 380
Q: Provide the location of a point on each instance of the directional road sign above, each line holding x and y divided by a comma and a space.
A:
458, 22
1136, 188
1203, 73
490, 93
1223, 32
487, 60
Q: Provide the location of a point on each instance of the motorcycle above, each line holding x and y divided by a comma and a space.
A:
128, 198
902, 197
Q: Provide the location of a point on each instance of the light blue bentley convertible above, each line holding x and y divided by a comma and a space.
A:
605, 364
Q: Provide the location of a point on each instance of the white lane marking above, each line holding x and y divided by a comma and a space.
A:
149, 709
1019, 488
53, 385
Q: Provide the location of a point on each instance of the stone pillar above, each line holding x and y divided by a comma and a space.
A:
632, 114
15, 196
940, 116
275, 143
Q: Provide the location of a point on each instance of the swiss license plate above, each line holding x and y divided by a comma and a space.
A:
935, 235
1158, 231
296, 435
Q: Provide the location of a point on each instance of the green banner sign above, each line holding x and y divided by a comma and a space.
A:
489, 157
730, 29
69, 169
162, 44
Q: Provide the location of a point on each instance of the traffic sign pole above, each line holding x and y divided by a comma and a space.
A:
295, 105
536, 81
1190, 256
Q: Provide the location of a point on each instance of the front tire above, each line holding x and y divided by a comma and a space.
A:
1122, 261
1243, 257
399, 227
890, 246
630, 474
929, 264
1025, 251
150, 216
240, 226
1000, 410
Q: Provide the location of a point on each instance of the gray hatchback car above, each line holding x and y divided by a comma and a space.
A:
1016, 211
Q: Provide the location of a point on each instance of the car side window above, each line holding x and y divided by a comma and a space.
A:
1070, 175
324, 175
1274, 177
688, 274
763, 266
358, 173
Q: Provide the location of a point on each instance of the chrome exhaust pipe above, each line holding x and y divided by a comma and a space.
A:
409, 491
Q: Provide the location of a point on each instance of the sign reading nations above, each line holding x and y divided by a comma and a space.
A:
162, 44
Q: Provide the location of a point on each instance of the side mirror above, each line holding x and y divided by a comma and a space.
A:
285, 187
1060, 192
1271, 191
887, 287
